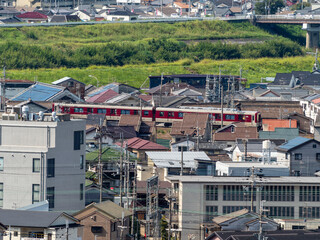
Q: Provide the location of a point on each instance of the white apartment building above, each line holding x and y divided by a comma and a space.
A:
42, 160
200, 198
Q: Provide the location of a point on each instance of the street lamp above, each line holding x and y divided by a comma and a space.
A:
95, 78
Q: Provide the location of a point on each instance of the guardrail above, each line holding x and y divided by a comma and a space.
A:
142, 20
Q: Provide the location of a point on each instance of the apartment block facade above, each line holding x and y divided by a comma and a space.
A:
200, 198
42, 160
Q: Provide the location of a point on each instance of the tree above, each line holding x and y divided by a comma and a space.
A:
163, 228
299, 6
268, 6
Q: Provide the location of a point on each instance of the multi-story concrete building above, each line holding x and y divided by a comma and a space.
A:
200, 198
42, 160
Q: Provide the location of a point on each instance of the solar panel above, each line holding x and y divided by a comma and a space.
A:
37, 93
109, 86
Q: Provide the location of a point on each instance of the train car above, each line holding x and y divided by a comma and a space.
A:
160, 114
112, 112
168, 115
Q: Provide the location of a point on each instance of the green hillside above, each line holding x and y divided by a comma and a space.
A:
136, 75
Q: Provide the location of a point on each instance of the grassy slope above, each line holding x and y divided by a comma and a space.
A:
253, 70
75, 36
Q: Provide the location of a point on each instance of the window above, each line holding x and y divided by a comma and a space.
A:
180, 115
50, 196
78, 110
1, 163
81, 191
36, 165
217, 116
298, 156
135, 112
89, 110
49, 236
1, 195
70, 84
230, 117
318, 156
146, 113
161, 114
314, 145
35, 193
78, 139
170, 114
112, 111
81, 161
113, 227
15, 234
125, 112
102, 111
50, 168
211, 212
184, 148
211, 192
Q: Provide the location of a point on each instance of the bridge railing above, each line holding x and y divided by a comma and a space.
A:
288, 17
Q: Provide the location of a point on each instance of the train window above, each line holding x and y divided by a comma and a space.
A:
66, 109
146, 113
90, 110
135, 112
230, 117
253, 118
78, 110
218, 116
112, 111
241, 117
180, 115
102, 111
170, 114
125, 112
161, 114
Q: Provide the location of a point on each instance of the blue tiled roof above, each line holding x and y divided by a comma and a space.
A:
37, 92
294, 143
105, 88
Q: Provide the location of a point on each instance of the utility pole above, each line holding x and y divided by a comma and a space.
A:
260, 235
134, 198
3, 91
181, 170
252, 186
197, 138
161, 90
188, 143
122, 227
170, 219
232, 93
222, 106
127, 174
121, 168
229, 97
99, 133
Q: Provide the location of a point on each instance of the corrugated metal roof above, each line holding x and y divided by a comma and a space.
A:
109, 86
23, 218
119, 98
61, 80
172, 159
38, 92
294, 143
103, 96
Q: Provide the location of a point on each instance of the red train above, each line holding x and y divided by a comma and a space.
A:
159, 114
